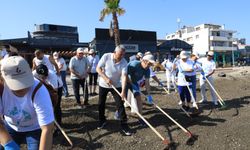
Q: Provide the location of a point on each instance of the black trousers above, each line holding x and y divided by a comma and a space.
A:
58, 110
103, 92
93, 77
76, 83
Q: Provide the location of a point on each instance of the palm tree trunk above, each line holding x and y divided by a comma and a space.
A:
116, 29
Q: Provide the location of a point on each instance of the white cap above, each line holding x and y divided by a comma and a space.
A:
196, 54
149, 58
183, 55
80, 50
17, 73
210, 53
91, 51
147, 53
55, 55
86, 50
139, 54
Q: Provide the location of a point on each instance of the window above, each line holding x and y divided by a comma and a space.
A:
198, 28
197, 36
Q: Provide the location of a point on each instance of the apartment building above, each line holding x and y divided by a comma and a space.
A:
207, 37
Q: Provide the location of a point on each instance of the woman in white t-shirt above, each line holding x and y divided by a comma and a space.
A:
93, 75
184, 78
28, 115
49, 77
63, 71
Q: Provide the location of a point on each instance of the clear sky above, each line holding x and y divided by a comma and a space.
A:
19, 16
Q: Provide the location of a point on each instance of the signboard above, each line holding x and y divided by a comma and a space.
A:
176, 49
131, 48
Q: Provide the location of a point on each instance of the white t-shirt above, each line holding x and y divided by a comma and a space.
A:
53, 79
93, 62
208, 66
112, 70
62, 62
181, 75
23, 115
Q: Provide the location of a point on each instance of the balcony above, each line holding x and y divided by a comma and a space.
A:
222, 38
222, 48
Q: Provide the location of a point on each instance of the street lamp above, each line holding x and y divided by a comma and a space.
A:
233, 49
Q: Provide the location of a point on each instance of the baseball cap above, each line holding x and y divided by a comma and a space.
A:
139, 54
147, 53
42, 70
91, 51
80, 50
183, 55
17, 73
149, 58
196, 54
210, 53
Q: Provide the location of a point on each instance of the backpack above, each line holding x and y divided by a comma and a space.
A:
52, 92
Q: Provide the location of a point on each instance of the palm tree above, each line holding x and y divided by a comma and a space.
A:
112, 7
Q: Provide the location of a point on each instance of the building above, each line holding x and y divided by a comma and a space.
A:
207, 37
49, 37
133, 40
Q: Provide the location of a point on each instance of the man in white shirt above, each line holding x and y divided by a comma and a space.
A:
111, 69
208, 66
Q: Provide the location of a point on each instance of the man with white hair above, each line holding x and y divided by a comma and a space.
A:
111, 69
79, 68
208, 66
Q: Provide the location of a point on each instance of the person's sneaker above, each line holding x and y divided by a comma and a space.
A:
102, 124
86, 104
180, 103
126, 130
116, 116
94, 94
142, 123
194, 104
202, 101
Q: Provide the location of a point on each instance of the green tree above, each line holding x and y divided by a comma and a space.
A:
112, 7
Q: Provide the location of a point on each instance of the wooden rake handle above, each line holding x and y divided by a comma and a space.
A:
64, 134
151, 127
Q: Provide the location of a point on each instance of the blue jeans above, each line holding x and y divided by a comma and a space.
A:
184, 93
193, 86
31, 138
65, 87
76, 83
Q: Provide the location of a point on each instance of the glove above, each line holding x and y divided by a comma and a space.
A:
161, 84
150, 99
11, 145
135, 88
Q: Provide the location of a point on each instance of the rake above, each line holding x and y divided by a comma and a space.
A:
165, 141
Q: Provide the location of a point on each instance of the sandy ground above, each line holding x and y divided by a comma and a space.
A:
216, 128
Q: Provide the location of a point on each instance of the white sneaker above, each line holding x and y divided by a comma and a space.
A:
194, 104
202, 101
180, 103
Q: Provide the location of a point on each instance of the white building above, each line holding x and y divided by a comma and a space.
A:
207, 37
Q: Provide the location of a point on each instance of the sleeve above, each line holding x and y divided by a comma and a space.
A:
124, 69
214, 66
102, 61
71, 63
1, 106
43, 106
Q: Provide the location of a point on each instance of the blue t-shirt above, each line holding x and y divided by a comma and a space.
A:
137, 72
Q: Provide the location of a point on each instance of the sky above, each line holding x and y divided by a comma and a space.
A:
20, 16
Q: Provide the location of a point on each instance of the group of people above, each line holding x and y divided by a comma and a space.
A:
26, 110
185, 67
